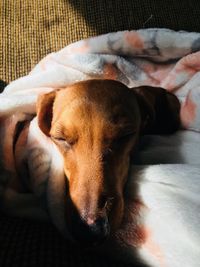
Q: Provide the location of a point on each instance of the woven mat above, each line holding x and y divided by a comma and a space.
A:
28, 31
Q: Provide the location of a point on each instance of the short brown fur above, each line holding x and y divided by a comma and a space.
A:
96, 125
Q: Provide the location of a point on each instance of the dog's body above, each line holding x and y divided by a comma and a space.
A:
71, 162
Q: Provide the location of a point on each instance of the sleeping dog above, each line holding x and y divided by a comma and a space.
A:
71, 161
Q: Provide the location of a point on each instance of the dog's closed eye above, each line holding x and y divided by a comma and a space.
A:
126, 135
123, 137
67, 142
113, 144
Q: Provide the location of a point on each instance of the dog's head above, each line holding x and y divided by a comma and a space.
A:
95, 125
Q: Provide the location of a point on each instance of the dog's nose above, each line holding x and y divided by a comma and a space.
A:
91, 231
99, 228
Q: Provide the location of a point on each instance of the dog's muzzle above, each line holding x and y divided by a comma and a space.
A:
90, 231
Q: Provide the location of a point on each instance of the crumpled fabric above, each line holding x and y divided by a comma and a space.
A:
157, 57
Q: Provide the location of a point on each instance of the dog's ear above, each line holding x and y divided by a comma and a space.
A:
159, 110
147, 111
44, 111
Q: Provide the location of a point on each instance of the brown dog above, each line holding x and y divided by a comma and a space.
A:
96, 124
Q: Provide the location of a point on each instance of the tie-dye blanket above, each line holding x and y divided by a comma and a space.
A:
157, 57
167, 231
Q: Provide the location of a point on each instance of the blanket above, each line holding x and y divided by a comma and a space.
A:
166, 231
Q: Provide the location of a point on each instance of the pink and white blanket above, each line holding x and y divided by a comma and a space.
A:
170, 211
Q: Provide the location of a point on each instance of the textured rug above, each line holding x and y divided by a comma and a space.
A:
30, 244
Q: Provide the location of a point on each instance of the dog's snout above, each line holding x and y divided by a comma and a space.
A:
99, 228
91, 231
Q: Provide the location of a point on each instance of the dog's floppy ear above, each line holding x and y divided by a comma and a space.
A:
44, 111
159, 110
